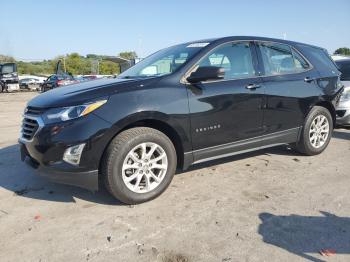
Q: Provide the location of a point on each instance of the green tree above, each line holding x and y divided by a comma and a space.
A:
74, 62
342, 51
6, 59
93, 56
109, 68
128, 55
77, 65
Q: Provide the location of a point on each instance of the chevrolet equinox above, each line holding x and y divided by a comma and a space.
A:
180, 106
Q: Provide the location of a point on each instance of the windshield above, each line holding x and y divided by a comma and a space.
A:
8, 68
163, 62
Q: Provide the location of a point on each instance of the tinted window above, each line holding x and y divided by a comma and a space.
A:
281, 59
299, 61
64, 77
235, 58
8, 69
344, 67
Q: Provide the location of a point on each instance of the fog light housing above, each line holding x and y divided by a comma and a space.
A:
72, 154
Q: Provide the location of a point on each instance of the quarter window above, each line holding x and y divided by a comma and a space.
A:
299, 61
235, 58
281, 59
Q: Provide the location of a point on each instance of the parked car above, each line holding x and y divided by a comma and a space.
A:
37, 79
183, 105
8, 77
29, 83
89, 77
343, 109
55, 81
85, 78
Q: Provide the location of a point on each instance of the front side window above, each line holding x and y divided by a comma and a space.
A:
281, 59
235, 58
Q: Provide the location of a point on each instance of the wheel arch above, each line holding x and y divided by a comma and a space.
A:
156, 121
329, 106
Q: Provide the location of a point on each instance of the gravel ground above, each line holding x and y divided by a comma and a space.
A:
270, 205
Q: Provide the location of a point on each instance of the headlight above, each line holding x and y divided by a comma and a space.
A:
345, 95
67, 113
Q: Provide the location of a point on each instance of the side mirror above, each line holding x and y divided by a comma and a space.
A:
206, 73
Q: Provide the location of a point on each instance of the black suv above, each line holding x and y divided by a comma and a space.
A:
183, 105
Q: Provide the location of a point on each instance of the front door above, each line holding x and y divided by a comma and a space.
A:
226, 111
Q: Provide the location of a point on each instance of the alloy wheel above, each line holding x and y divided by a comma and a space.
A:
144, 167
319, 131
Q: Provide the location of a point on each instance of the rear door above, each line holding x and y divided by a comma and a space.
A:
289, 86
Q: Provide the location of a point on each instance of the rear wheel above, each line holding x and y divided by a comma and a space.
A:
139, 164
317, 132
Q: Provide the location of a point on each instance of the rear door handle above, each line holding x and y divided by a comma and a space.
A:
309, 79
252, 86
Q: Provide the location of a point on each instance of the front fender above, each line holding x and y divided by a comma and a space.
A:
168, 105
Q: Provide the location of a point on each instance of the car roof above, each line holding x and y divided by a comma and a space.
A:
250, 38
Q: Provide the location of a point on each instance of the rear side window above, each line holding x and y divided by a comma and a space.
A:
344, 67
281, 59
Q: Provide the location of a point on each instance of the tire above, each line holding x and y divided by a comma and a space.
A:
307, 144
118, 156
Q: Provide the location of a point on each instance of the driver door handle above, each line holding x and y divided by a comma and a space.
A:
252, 86
309, 79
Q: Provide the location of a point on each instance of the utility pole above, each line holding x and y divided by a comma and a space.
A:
64, 64
285, 36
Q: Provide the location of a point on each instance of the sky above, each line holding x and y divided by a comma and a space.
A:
44, 29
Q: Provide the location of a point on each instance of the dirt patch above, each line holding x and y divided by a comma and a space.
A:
173, 257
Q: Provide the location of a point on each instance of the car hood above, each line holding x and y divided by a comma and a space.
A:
84, 92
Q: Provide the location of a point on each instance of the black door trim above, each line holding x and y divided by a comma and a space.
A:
247, 145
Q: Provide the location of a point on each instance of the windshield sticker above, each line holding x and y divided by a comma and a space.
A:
198, 45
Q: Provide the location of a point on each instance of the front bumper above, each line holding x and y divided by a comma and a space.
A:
84, 179
45, 150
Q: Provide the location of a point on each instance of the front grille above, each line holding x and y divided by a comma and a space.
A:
340, 113
29, 127
31, 123
33, 111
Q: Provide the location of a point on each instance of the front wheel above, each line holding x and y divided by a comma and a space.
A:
317, 132
139, 165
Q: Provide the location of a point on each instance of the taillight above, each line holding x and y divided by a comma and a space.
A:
60, 82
